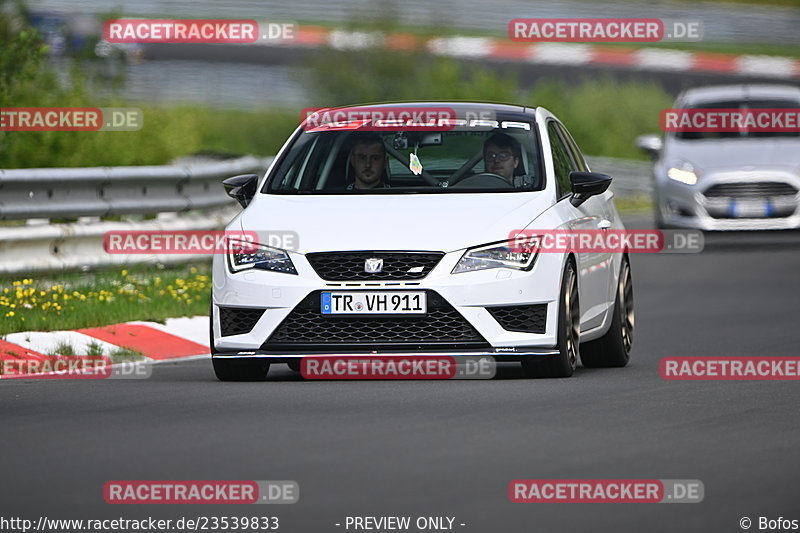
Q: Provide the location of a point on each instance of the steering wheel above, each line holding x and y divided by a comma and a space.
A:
501, 181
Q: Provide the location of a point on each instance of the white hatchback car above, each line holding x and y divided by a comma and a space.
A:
718, 181
403, 248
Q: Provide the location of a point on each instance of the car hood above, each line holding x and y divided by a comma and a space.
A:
429, 222
735, 154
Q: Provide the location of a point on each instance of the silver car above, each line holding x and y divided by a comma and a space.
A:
728, 180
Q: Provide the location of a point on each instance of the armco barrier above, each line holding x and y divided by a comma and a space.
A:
631, 178
79, 246
103, 191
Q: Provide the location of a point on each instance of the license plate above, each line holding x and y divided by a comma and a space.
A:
374, 303
757, 208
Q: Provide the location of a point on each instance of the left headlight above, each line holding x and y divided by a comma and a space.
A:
243, 255
497, 255
684, 173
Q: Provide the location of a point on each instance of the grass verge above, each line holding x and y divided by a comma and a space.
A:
99, 299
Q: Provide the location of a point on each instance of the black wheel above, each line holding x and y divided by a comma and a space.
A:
658, 219
658, 214
614, 348
569, 334
240, 370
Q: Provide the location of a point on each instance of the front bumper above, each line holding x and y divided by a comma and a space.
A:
693, 206
469, 294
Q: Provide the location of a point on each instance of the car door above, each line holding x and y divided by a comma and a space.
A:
594, 268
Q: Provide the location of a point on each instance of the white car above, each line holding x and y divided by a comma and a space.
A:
728, 180
402, 247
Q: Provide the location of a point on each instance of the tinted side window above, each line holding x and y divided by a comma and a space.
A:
576, 153
561, 161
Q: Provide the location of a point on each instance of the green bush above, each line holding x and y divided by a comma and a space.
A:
167, 133
26, 80
604, 116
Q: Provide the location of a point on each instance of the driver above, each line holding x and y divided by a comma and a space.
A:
502, 154
368, 159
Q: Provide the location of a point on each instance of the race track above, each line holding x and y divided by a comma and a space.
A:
451, 448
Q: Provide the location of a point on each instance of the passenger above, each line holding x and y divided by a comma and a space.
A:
502, 155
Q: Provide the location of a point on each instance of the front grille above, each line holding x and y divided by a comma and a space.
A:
766, 189
441, 326
349, 266
524, 318
238, 320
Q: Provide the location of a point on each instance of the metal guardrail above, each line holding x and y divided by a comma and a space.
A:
631, 178
104, 191
166, 191
79, 245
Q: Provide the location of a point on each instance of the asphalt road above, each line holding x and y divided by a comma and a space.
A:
430, 448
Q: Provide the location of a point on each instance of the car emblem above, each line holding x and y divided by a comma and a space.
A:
416, 270
373, 265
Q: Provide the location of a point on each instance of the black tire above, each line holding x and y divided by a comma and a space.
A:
658, 219
658, 215
569, 334
240, 370
614, 348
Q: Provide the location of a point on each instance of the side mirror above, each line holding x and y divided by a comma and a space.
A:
586, 185
652, 144
241, 188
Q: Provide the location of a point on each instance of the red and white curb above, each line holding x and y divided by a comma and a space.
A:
654, 59
179, 338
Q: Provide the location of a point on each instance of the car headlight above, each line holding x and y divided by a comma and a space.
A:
501, 254
684, 174
243, 255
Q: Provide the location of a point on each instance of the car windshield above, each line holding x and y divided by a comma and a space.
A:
743, 105
503, 157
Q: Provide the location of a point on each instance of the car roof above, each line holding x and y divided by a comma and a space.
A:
737, 92
505, 111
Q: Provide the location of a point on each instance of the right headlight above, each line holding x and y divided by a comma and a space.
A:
243, 255
501, 254
684, 174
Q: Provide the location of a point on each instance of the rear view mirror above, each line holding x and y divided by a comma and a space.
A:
241, 188
652, 144
586, 185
